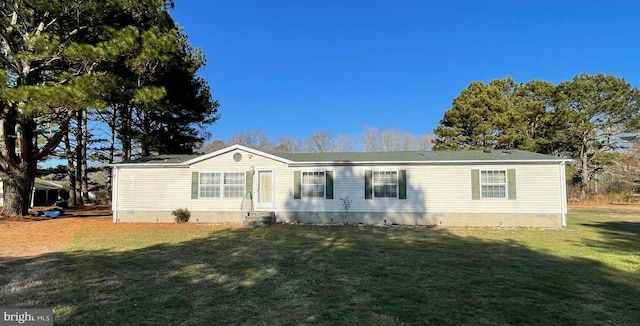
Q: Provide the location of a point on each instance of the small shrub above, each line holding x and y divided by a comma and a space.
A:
345, 204
628, 196
102, 196
182, 215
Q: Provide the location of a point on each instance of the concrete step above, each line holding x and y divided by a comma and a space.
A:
256, 219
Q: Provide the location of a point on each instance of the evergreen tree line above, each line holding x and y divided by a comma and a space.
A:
593, 119
70, 66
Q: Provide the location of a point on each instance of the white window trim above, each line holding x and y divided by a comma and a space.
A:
373, 184
221, 184
324, 184
506, 185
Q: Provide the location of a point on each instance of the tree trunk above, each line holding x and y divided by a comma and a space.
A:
78, 162
112, 154
71, 170
146, 132
19, 155
85, 140
18, 188
125, 133
584, 173
19, 166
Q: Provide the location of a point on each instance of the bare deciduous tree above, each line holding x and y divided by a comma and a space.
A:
253, 138
371, 140
377, 140
288, 145
347, 143
212, 146
319, 142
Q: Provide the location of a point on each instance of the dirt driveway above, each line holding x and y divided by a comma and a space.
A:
33, 236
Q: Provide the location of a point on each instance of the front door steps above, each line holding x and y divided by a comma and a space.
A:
258, 219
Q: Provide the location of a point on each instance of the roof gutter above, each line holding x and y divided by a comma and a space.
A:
474, 162
114, 192
150, 165
563, 195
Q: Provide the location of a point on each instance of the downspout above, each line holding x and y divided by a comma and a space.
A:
33, 194
114, 193
563, 186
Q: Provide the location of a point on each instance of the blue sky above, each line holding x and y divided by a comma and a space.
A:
294, 67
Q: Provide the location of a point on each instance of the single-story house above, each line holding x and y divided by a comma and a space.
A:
447, 188
45, 192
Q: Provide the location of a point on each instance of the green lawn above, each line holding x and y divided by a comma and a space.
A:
588, 274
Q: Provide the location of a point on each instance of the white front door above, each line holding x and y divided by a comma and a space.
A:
265, 189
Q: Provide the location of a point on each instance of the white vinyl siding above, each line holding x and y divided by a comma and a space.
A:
313, 184
385, 184
447, 189
436, 189
493, 184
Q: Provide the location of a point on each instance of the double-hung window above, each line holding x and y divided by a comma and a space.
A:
234, 183
222, 185
313, 184
493, 184
209, 185
385, 184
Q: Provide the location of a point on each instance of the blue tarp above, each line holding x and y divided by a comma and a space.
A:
55, 212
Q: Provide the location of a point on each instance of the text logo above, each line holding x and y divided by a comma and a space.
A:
30, 317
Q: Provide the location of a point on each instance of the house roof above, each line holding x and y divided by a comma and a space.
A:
424, 156
184, 160
231, 148
41, 184
400, 157
166, 158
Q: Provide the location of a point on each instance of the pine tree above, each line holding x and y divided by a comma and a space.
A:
62, 58
598, 113
51, 53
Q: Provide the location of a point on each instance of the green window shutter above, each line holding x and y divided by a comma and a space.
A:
368, 184
297, 185
328, 188
402, 184
249, 183
475, 184
195, 178
511, 183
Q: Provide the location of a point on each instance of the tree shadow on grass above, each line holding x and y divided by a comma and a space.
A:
322, 275
618, 235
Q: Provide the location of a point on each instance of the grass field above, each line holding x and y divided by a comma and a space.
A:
588, 274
